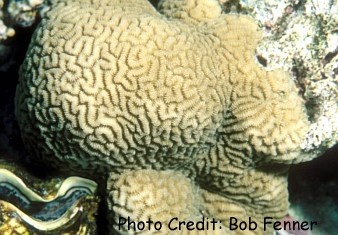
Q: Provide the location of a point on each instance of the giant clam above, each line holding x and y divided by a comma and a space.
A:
69, 210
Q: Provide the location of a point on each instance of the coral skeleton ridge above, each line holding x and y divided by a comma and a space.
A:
168, 105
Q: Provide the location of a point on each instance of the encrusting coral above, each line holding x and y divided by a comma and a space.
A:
160, 101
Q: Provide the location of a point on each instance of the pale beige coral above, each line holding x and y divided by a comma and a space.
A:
153, 198
190, 10
266, 195
114, 86
150, 194
159, 196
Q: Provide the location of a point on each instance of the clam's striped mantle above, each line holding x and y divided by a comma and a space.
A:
39, 212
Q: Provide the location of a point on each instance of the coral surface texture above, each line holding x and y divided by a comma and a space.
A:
168, 105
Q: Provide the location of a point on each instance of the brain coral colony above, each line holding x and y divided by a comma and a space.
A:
168, 111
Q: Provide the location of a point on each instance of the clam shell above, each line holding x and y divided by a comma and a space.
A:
23, 209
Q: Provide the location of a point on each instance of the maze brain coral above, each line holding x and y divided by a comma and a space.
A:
121, 89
